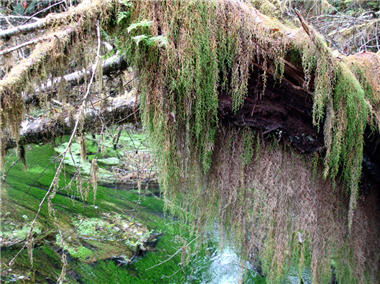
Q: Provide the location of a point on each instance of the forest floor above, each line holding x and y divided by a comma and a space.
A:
104, 240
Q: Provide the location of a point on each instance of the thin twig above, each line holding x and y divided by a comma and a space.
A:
43, 10
16, 17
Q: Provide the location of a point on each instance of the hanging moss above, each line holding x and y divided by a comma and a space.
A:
247, 147
365, 66
211, 49
341, 102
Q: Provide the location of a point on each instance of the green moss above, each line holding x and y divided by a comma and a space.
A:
12, 232
21, 197
184, 63
81, 253
46, 265
340, 101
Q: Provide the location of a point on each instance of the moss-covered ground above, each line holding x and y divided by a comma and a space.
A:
88, 228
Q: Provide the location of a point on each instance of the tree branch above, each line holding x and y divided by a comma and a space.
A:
30, 42
85, 8
18, 73
39, 24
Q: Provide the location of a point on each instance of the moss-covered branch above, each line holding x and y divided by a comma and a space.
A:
69, 29
111, 65
86, 8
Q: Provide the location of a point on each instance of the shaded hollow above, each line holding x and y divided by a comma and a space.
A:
284, 109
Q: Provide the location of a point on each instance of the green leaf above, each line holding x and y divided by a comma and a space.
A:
142, 24
139, 38
123, 16
160, 40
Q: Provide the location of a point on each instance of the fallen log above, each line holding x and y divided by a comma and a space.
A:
115, 63
112, 64
43, 129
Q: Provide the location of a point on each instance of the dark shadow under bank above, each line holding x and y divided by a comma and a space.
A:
284, 110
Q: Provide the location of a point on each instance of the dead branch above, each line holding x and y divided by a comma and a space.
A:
174, 254
43, 10
24, 44
113, 64
12, 20
39, 24
56, 19
355, 33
